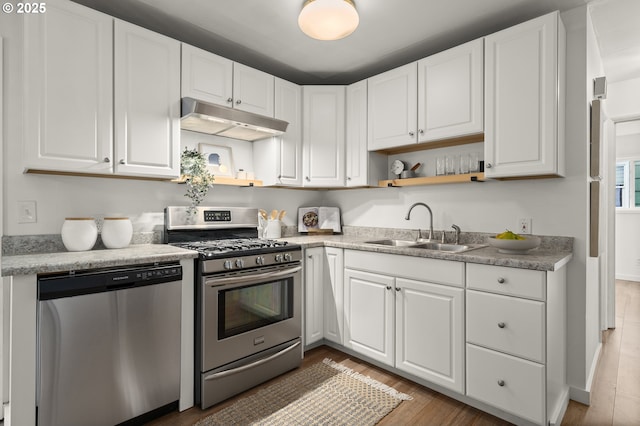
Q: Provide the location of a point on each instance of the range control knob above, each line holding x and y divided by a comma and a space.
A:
239, 263
278, 258
260, 260
228, 264
287, 257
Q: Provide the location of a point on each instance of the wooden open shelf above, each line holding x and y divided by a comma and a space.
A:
433, 180
223, 180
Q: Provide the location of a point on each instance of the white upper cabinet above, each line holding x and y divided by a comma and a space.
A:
278, 160
206, 77
147, 102
253, 90
451, 93
212, 78
323, 136
393, 108
68, 72
524, 101
363, 168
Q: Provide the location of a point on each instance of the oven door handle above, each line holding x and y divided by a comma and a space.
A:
216, 282
252, 365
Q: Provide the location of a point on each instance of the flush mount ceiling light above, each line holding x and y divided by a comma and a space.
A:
328, 19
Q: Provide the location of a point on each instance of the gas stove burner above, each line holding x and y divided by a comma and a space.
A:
211, 248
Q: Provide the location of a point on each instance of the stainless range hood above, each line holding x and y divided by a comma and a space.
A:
205, 117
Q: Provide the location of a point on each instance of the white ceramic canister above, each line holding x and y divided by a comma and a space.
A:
79, 233
274, 229
116, 232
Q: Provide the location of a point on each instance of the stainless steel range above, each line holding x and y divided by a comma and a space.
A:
248, 300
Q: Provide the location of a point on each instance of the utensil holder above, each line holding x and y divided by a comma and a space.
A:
274, 229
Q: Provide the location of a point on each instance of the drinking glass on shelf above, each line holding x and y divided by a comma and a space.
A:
464, 164
451, 164
473, 162
440, 166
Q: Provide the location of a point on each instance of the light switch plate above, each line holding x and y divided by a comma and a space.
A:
27, 212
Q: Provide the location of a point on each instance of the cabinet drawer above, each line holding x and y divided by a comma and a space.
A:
418, 268
507, 324
512, 281
509, 383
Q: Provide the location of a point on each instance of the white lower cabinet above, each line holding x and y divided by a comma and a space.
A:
512, 384
412, 320
323, 295
369, 314
493, 335
516, 334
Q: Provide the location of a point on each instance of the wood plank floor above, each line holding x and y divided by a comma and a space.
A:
615, 391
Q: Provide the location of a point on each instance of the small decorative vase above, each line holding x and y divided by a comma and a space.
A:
116, 232
79, 233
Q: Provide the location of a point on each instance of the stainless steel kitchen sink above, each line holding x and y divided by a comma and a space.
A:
396, 243
427, 245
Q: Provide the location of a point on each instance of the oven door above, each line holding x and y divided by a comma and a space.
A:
247, 312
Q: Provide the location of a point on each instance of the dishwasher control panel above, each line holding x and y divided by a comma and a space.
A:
75, 283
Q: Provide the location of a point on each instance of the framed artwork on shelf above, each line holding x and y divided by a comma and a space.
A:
219, 159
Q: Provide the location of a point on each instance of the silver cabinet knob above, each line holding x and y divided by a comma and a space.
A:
501, 325
412, 134
107, 160
501, 280
421, 131
398, 288
122, 162
229, 100
307, 179
501, 383
348, 178
388, 287
239, 101
488, 165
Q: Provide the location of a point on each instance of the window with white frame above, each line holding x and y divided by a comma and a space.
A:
628, 183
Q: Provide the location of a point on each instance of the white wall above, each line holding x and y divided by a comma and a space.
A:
623, 100
628, 220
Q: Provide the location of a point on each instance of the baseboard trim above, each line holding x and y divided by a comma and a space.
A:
625, 277
583, 396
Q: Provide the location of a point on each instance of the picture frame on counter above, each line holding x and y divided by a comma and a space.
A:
219, 159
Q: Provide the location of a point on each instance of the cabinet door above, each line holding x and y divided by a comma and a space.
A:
356, 142
314, 294
450, 92
333, 294
393, 108
206, 76
289, 108
253, 90
323, 135
369, 314
68, 67
147, 102
522, 98
430, 332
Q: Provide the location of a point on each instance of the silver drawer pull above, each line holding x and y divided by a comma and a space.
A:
500, 382
501, 325
501, 280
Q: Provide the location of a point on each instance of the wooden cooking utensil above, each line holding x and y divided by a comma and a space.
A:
282, 214
274, 214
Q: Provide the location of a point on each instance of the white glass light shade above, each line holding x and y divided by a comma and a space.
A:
328, 19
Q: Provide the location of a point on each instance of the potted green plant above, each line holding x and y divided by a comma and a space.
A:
194, 172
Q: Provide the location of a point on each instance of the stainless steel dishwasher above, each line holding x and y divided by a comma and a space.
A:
108, 345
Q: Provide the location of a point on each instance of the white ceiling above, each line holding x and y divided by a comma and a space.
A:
264, 33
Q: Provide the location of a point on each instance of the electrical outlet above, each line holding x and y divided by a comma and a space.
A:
27, 212
524, 225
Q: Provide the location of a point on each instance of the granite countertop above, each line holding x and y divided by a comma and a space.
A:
136, 254
554, 253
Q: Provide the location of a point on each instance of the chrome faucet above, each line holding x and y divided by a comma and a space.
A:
430, 217
457, 228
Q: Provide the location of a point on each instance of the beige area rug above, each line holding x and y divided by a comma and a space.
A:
327, 393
